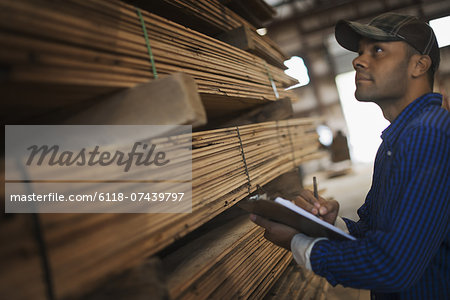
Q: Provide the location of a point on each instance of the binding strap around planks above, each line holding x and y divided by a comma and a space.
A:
272, 82
280, 143
45, 260
40, 241
292, 144
149, 49
244, 160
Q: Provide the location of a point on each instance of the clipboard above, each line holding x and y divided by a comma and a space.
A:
284, 211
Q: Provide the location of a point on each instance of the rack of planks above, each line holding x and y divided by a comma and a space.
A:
98, 47
213, 18
227, 164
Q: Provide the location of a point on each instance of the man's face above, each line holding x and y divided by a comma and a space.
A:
381, 71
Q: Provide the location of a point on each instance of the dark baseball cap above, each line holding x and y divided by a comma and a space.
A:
390, 27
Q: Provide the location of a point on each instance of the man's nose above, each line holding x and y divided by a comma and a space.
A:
360, 62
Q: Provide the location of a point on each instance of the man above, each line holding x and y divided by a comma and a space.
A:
402, 249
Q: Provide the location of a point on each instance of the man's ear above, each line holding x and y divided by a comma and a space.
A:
422, 63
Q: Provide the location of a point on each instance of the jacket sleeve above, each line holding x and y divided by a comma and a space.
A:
358, 229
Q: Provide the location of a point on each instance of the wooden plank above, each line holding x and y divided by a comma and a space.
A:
298, 283
272, 111
271, 278
168, 101
239, 37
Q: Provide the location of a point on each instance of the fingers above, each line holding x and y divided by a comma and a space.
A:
326, 207
270, 226
300, 201
277, 233
309, 196
314, 205
331, 206
322, 204
258, 220
329, 211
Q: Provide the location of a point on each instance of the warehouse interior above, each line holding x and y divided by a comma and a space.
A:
266, 95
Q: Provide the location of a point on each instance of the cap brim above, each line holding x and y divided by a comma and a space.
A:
349, 33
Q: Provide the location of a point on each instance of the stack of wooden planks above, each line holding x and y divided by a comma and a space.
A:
84, 250
233, 261
211, 17
56, 53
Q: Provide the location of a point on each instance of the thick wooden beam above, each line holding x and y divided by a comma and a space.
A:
246, 38
272, 111
168, 101
239, 37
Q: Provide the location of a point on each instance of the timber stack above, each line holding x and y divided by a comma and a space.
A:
170, 62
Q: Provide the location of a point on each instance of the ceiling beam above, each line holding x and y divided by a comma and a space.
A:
329, 16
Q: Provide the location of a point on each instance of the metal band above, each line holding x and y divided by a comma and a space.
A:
45, 262
244, 160
149, 49
39, 237
272, 82
292, 145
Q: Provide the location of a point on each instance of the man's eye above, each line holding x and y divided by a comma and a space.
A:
378, 49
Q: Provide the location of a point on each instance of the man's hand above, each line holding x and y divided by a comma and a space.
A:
324, 209
277, 233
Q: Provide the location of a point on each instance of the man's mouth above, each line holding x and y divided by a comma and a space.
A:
362, 77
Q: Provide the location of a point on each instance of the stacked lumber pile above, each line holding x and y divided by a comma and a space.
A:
98, 47
229, 262
227, 165
212, 18
219, 180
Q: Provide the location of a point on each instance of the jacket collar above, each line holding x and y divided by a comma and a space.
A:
392, 132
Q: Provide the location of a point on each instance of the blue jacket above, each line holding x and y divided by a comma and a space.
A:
403, 246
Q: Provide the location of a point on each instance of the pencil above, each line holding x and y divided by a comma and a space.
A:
316, 194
